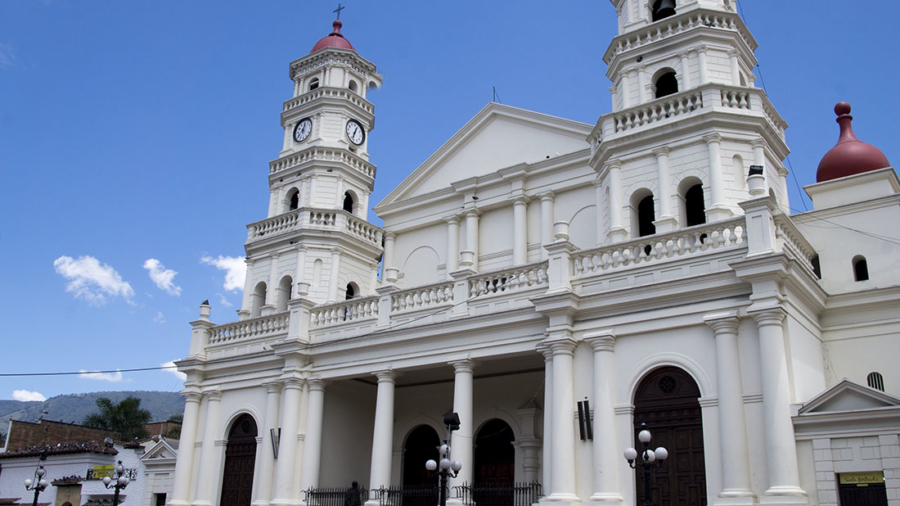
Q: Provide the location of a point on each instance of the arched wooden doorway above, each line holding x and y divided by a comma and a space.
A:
495, 464
419, 485
667, 400
240, 456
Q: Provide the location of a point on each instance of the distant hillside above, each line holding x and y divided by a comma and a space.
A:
74, 407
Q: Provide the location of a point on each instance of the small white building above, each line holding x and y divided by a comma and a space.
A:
558, 284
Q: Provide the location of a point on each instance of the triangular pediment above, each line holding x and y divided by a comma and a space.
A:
499, 136
848, 396
161, 450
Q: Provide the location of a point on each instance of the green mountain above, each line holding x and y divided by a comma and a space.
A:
74, 407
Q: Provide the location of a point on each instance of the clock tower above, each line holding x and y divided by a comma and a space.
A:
315, 241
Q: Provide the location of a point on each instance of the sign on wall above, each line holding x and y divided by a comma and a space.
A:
861, 478
100, 472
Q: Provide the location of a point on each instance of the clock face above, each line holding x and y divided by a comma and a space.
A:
302, 130
355, 132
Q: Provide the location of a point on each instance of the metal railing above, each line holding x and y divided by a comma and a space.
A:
518, 494
332, 496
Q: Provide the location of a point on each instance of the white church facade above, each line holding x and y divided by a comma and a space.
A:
557, 284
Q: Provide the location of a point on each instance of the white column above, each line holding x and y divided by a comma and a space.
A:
781, 448
520, 231
701, 63
642, 84
546, 222
547, 450
312, 444
685, 70
262, 491
617, 231
273, 278
288, 136
626, 89
606, 449
244, 312
733, 444
184, 463
718, 210
613, 90
563, 474
273, 201
389, 265
287, 448
759, 158
452, 245
335, 269
382, 439
299, 271
666, 221
599, 202
206, 492
462, 442
735, 69
470, 255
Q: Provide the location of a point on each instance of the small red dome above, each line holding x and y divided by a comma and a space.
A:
850, 156
333, 39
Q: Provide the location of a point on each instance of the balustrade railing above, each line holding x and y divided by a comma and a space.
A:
709, 236
327, 92
509, 280
265, 326
424, 297
736, 99
347, 311
315, 218
792, 242
660, 109
322, 155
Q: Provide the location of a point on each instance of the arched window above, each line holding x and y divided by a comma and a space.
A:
666, 84
875, 380
313, 83
860, 268
293, 199
352, 291
646, 215
284, 293
353, 86
348, 202
695, 209
258, 299
663, 9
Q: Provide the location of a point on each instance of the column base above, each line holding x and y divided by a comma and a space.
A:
606, 499
617, 234
784, 495
561, 499
665, 224
718, 213
734, 497
178, 502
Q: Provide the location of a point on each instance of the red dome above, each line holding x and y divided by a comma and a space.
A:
850, 156
333, 39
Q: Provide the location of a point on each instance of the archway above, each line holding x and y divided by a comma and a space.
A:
240, 455
667, 400
495, 464
421, 445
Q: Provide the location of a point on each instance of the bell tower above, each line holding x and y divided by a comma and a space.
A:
687, 120
315, 242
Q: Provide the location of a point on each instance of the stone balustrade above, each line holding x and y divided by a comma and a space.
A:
342, 94
425, 297
660, 109
516, 279
271, 326
322, 155
315, 219
752, 99
710, 236
790, 241
353, 310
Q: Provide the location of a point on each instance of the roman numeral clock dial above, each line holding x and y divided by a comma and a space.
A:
355, 132
302, 130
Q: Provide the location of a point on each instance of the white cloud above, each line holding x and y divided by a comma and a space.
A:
171, 365
7, 56
159, 318
28, 395
101, 376
223, 301
235, 270
91, 280
162, 277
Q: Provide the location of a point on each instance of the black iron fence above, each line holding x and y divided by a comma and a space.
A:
519, 494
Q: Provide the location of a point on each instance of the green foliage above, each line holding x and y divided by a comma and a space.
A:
174, 432
127, 418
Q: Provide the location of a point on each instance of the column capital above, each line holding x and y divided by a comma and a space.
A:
684, 54
661, 151
213, 395
386, 376
562, 347
302, 248
547, 195
192, 395
451, 220
614, 163
274, 255
473, 212
768, 316
292, 383
601, 340
335, 251
544, 350
520, 200
316, 384
390, 235
711, 138
758, 142
723, 323
273, 387
702, 48
464, 365
733, 52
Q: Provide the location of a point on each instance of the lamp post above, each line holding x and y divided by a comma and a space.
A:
448, 468
119, 481
39, 483
650, 459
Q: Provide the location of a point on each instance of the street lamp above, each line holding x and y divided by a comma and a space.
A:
650, 459
38, 484
448, 468
119, 481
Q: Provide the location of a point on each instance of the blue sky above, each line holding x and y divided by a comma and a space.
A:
135, 138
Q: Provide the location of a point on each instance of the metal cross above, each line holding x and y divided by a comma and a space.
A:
338, 11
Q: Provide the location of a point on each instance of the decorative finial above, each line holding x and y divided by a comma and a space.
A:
338, 10
842, 109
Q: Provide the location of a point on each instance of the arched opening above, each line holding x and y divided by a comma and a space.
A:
495, 464
240, 456
666, 84
352, 291
644, 213
860, 268
258, 299
663, 9
285, 287
694, 207
293, 199
875, 380
313, 83
353, 86
667, 400
738, 172
421, 446
349, 202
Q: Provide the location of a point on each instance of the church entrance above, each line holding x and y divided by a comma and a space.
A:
240, 456
667, 401
419, 485
495, 464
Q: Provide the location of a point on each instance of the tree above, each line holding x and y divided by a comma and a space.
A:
127, 418
175, 430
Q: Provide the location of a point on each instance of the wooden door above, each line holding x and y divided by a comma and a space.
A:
240, 458
495, 464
